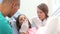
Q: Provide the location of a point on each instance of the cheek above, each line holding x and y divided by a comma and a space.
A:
20, 22
13, 12
8, 10
43, 15
40, 15
15, 8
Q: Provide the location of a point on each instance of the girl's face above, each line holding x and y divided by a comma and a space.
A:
22, 19
41, 14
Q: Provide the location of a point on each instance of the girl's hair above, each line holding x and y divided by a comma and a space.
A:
18, 25
44, 8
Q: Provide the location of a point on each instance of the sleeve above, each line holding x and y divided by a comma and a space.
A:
5, 28
32, 23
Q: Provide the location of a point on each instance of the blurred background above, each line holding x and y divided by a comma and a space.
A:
28, 7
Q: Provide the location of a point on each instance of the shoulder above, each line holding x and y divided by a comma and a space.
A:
5, 26
35, 18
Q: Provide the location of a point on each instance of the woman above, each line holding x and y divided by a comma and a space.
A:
40, 21
52, 26
23, 24
42, 12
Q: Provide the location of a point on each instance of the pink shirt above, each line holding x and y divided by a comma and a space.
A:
32, 31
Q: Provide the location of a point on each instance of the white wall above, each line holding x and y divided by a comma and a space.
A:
28, 7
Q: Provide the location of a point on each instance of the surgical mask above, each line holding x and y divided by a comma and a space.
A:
24, 27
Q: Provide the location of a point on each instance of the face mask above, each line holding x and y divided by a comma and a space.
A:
24, 26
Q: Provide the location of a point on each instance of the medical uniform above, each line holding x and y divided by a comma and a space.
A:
52, 26
36, 22
5, 27
12, 22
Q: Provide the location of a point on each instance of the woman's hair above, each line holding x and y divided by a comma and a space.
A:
18, 25
44, 8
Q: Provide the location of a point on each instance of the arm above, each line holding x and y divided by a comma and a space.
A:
32, 23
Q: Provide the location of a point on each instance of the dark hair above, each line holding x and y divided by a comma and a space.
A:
19, 26
44, 8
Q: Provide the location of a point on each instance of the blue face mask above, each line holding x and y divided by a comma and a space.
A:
1, 1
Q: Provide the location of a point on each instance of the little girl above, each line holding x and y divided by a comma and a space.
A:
23, 24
